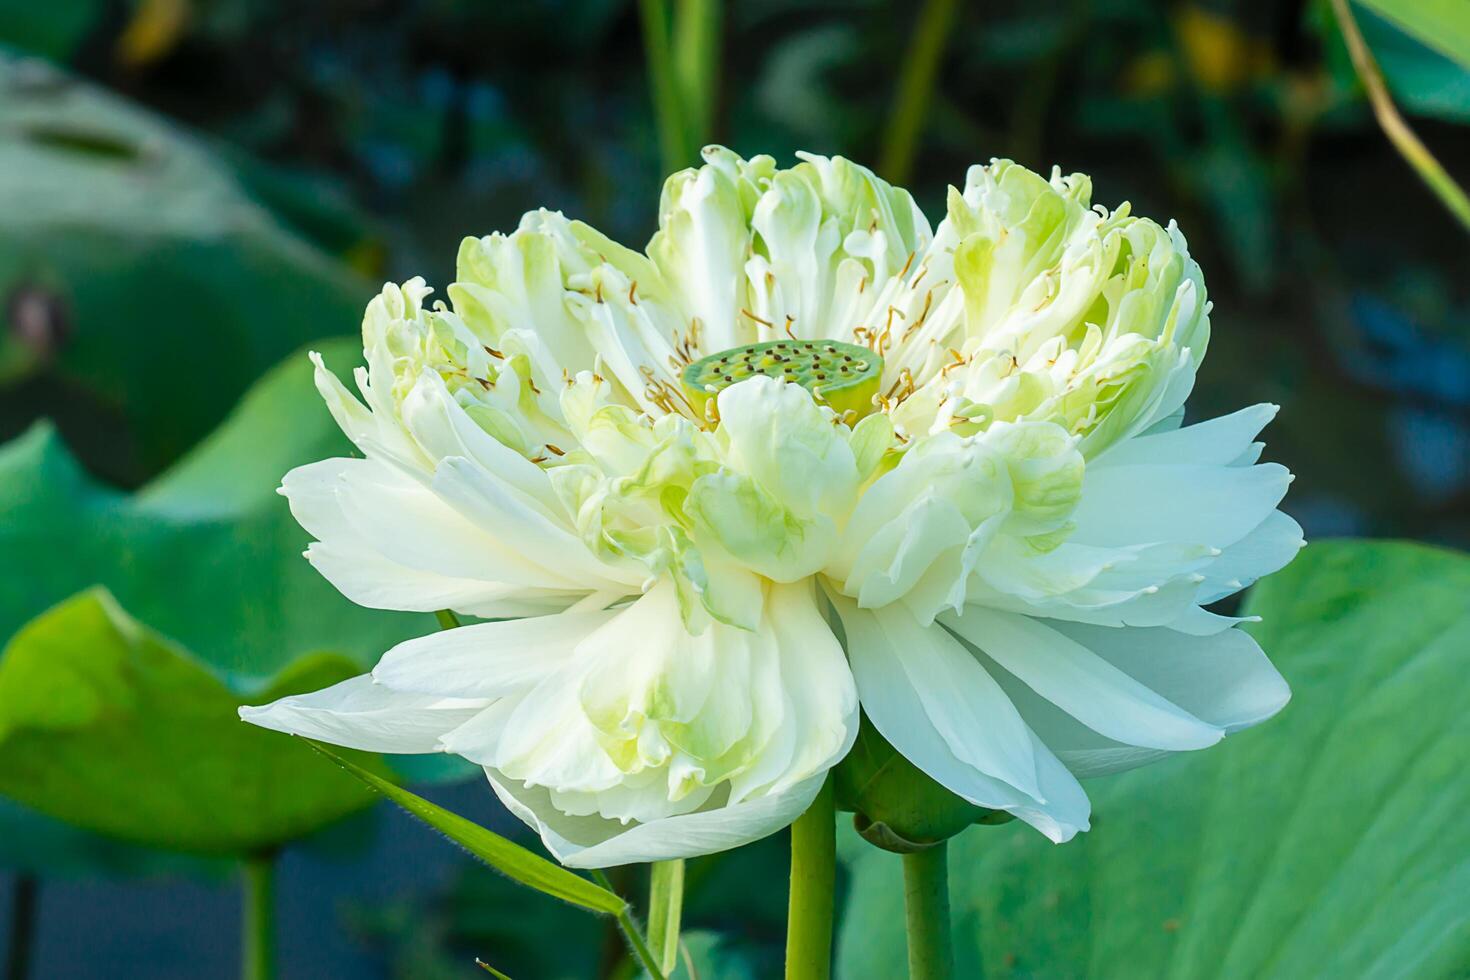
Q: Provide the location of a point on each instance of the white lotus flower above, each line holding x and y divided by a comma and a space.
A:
959, 450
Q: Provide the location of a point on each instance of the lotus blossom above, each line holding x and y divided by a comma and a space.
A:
803, 456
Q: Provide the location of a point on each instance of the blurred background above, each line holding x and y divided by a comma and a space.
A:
193, 190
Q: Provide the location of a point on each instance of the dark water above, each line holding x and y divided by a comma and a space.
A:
175, 929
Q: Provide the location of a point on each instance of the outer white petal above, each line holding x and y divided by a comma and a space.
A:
595, 842
1217, 442
360, 714
408, 524
960, 699
367, 576
1266, 549
1145, 504
1223, 679
486, 660
1081, 683
892, 702
371, 580
521, 526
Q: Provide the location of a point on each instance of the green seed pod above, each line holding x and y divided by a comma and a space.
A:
843, 376
895, 806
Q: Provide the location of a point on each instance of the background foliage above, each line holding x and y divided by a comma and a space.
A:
194, 189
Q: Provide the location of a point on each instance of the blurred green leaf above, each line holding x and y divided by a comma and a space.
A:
172, 288
51, 30
33, 842
1330, 842
509, 858
1422, 81
112, 728
208, 554
1441, 24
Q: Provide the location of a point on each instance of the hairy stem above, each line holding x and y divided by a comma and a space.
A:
630, 931
665, 909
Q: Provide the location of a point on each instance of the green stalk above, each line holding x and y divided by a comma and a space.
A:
696, 53
630, 931
258, 921
1404, 139
813, 879
915, 87
926, 900
23, 895
668, 113
665, 909
447, 619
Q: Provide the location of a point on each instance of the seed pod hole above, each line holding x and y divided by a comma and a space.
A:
843, 376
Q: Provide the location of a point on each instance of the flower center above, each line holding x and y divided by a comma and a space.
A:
842, 376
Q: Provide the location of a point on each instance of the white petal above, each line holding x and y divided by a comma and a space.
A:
482, 496
1080, 682
823, 698
959, 701
486, 660
1147, 504
363, 573
407, 523
478, 739
1224, 679
1217, 442
1201, 622
443, 429
371, 580
360, 714
781, 439
894, 708
1269, 547
592, 842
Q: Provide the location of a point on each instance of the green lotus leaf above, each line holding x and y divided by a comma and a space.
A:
1329, 842
146, 283
208, 553
114, 729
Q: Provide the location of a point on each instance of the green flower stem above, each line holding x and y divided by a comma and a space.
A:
447, 619
926, 899
630, 930
258, 921
665, 909
23, 896
696, 67
915, 88
667, 110
1404, 139
813, 878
